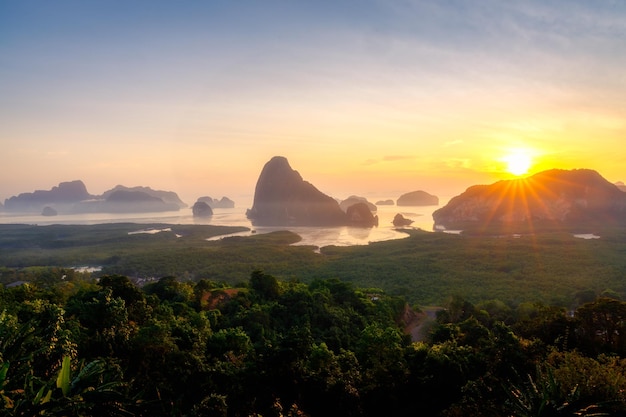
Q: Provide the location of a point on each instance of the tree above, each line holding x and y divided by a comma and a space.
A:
104, 326
170, 289
456, 309
330, 383
380, 353
550, 324
134, 299
603, 326
266, 286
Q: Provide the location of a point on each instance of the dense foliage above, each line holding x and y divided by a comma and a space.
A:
75, 347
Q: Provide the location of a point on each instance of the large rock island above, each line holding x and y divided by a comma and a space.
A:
283, 198
556, 197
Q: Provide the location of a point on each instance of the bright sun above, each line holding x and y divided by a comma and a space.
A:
518, 162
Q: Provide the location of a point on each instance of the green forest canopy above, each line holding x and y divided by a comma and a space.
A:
268, 347
425, 268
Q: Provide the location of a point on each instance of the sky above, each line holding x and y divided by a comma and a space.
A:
368, 97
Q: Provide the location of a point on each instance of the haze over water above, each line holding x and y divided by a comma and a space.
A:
316, 236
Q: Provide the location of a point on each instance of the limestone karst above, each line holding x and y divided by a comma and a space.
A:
282, 197
579, 196
201, 209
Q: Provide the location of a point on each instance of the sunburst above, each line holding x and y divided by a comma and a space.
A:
518, 162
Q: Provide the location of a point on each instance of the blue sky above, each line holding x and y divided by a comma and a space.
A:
360, 96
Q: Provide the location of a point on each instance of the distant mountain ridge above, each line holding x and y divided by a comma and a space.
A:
65, 193
579, 196
72, 197
167, 196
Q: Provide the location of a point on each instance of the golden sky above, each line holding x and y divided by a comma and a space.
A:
363, 97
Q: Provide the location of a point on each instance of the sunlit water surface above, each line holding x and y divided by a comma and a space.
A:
316, 236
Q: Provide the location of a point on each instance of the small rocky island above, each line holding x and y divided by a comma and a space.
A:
354, 199
214, 203
400, 221
387, 202
48, 211
418, 198
360, 215
201, 209
283, 198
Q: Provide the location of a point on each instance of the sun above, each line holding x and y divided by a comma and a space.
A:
518, 162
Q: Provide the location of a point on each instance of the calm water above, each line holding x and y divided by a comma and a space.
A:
317, 236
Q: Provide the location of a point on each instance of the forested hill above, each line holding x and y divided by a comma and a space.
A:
74, 347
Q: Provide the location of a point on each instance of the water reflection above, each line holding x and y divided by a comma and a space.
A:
359, 233
316, 236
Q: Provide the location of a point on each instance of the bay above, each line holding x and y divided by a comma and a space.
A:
315, 236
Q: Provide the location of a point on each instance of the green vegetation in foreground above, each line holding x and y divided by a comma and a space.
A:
74, 347
425, 268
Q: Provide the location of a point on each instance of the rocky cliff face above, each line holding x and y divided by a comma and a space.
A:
561, 196
282, 197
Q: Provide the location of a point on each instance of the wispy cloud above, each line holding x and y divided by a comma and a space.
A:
388, 158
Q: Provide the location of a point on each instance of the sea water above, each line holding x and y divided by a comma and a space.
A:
315, 236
